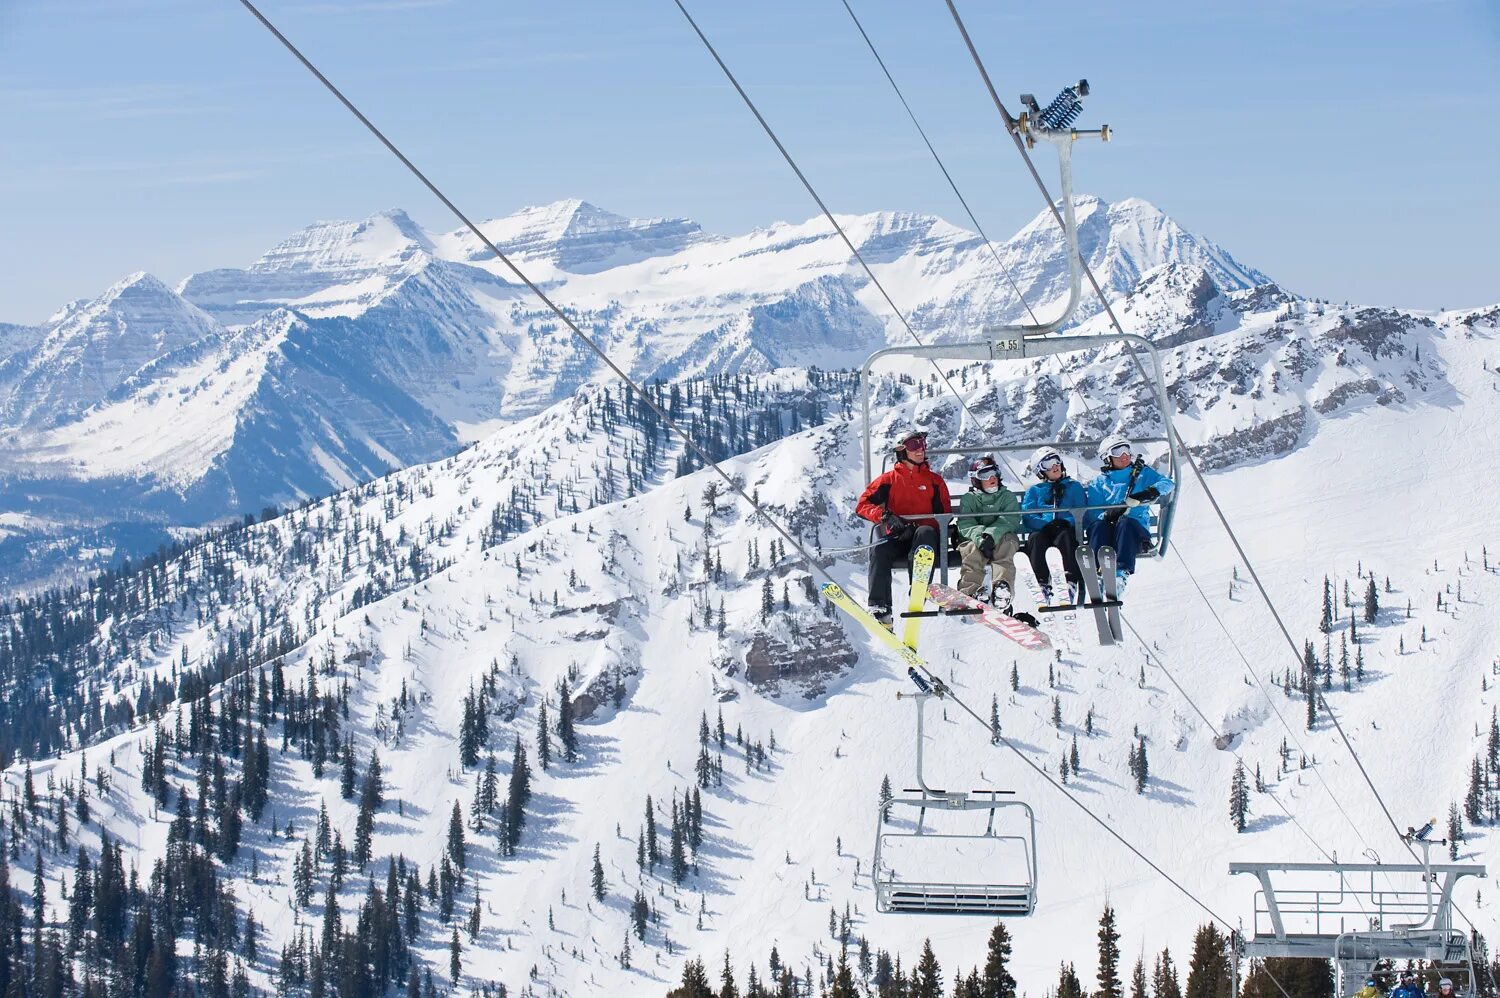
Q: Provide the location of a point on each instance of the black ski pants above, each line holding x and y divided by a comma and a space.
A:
1056, 534
884, 556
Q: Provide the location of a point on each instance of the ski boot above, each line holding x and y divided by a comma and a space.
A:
1000, 598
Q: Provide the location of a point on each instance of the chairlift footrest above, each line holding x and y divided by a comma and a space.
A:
1087, 605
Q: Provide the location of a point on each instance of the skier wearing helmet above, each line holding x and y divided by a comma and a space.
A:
1445, 987
1126, 481
1408, 988
989, 517
902, 501
1370, 990
1046, 506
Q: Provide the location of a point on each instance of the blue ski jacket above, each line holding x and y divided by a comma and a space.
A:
1407, 991
1046, 497
1110, 487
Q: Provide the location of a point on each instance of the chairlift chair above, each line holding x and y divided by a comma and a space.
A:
1017, 342
1338, 912
954, 864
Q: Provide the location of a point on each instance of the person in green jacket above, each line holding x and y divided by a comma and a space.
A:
988, 521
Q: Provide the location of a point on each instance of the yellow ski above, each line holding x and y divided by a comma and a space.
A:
836, 595
921, 576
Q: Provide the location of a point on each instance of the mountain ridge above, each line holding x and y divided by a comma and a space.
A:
462, 349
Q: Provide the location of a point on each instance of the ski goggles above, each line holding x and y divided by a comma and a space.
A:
915, 443
1048, 463
1120, 450
988, 472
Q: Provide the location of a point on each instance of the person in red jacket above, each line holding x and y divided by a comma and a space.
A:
902, 501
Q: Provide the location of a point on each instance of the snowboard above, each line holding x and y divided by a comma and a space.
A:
1018, 631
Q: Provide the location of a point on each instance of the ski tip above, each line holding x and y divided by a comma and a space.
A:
832, 590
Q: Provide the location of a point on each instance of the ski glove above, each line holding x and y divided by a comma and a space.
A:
1146, 495
892, 523
1113, 516
987, 546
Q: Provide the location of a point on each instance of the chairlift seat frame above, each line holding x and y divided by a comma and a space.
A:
896, 894
1324, 916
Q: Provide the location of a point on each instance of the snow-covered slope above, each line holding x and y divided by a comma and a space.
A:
404, 585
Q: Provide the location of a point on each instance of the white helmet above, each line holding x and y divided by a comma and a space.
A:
1111, 443
1040, 455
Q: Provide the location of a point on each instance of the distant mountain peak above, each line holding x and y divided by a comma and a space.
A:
580, 237
384, 239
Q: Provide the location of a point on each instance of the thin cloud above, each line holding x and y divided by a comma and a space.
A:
113, 102
368, 6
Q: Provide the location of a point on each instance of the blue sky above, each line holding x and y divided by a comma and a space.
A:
1348, 149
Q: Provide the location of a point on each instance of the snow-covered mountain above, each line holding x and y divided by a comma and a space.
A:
90, 349
563, 550
354, 347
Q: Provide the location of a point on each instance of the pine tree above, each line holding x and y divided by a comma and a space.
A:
456, 845
565, 731
455, 964
1109, 956
1372, 601
843, 980
543, 738
1326, 623
373, 787
1208, 971
679, 852
1455, 832
1073, 755
1068, 985
1474, 799
929, 975
1239, 797
1015, 677
727, 988
694, 982
997, 981
653, 853
346, 779
994, 718
1138, 980
518, 796
598, 877
639, 910
886, 796
1164, 977
767, 600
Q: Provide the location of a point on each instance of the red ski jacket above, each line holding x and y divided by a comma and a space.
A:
907, 490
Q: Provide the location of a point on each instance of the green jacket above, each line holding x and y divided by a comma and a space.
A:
999, 511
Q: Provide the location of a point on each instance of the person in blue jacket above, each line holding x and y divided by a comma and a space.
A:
1408, 988
1124, 480
1044, 513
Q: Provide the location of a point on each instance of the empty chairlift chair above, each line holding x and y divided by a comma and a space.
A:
968, 869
